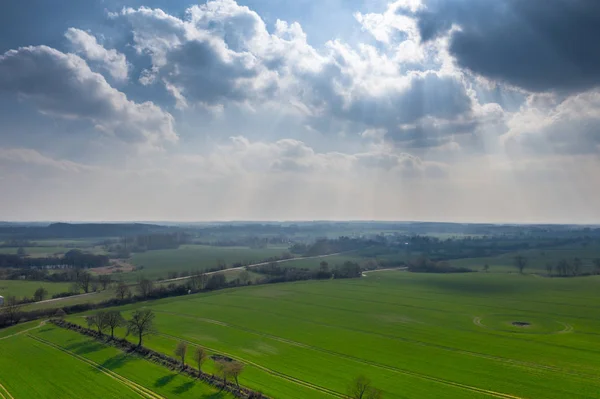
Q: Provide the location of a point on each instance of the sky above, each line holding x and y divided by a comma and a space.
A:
171, 110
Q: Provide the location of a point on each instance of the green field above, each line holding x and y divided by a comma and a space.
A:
21, 288
157, 264
414, 335
537, 259
65, 364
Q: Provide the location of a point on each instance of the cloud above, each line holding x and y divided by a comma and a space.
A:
538, 45
63, 85
26, 156
110, 60
549, 126
221, 53
294, 156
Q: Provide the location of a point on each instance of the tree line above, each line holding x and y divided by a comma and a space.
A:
73, 258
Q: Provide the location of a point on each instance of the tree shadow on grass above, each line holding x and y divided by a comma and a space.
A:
183, 388
162, 381
81, 348
117, 361
217, 395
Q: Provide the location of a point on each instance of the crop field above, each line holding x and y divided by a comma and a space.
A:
21, 288
537, 259
156, 264
58, 360
476, 335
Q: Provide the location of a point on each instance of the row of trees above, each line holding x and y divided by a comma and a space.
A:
141, 324
563, 268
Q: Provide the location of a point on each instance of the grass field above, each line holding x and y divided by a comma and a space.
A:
21, 288
537, 259
414, 335
157, 264
65, 364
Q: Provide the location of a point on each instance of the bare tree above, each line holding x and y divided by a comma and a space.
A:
123, 290
145, 287
520, 262
324, 266
21, 252
244, 277
11, 309
84, 280
114, 320
200, 356
361, 388
549, 268
60, 313
596, 265
105, 281
235, 369
98, 320
486, 268
180, 352
40, 294
197, 281
141, 324
222, 369
577, 263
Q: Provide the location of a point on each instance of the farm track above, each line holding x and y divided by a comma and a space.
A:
513, 362
258, 264
24, 331
275, 373
348, 357
4, 393
138, 389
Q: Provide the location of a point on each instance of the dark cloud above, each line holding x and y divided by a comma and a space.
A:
538, 45
63, 85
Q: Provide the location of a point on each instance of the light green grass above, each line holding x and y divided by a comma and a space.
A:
537, 259
50, 362
20, 288
157, 264
414, 335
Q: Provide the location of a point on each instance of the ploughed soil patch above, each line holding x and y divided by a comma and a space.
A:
521, 324
116, 266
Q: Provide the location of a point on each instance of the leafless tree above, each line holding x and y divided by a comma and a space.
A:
486, 268
324, 266
40, 294
222, 369
180, 352
141, 324
145, 287
520, 262
200, 356
244, 277
114, 320
197, 280
235, 369
123, 290
98, 320
105, 281
361, 388
11, 309
577, 263
596, 265
84, 280
549, 268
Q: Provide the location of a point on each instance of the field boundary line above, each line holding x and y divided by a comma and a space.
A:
3, 388
363, 361
500, 359
276, 373
135, 387
42, 323
258, 264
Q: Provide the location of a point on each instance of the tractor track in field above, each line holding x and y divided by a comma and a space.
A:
276, 373
4, 393
500, 359
42, 323
135, 387
343, 356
